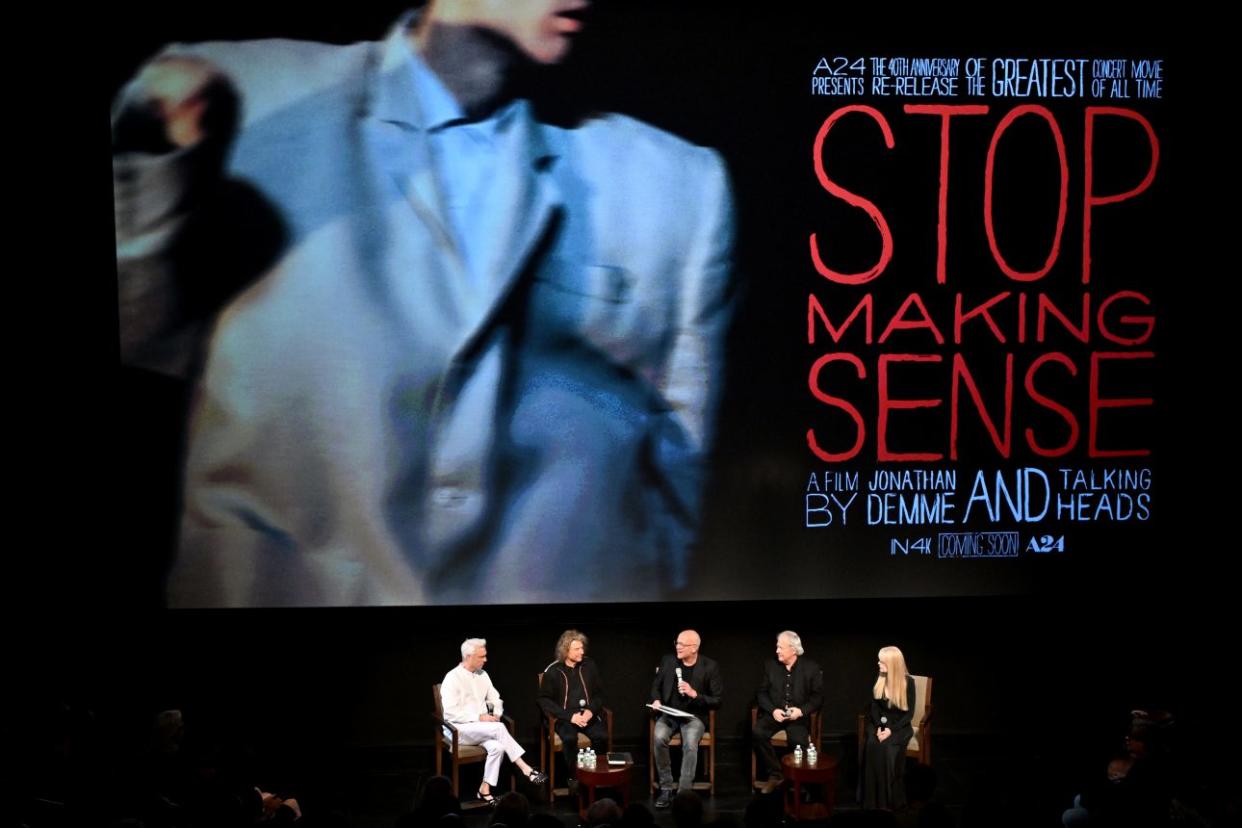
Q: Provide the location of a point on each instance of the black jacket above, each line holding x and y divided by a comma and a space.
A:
554, 690
706, 681
806, 693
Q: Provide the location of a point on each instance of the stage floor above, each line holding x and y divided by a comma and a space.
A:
975, 779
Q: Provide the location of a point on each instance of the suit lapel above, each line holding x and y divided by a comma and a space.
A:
523, 197
398, 136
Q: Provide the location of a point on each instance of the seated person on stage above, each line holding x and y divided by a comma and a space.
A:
792, 689
572, 693
691, 683
472, 705
889, 730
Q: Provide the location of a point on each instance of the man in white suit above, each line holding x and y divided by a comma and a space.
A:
444, 352
472, 705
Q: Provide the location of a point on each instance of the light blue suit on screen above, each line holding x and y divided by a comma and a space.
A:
375, 425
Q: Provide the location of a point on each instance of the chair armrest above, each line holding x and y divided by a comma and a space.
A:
444, 725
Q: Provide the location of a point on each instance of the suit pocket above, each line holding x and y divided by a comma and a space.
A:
603, 283
605, 307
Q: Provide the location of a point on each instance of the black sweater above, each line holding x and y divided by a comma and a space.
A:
561, 683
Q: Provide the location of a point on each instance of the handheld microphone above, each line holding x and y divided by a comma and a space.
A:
581, 705
490, 708
679, 690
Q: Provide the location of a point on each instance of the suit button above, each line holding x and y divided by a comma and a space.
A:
448, 496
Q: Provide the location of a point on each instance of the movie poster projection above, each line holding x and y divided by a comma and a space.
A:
980, 315
820, 313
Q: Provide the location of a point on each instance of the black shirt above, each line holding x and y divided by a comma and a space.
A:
801, 687
704, 677
577, 688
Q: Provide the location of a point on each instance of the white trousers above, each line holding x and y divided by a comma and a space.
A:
495, 739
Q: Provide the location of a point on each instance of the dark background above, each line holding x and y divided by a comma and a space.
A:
1039, 662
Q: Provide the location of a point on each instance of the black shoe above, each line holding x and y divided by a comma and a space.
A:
572, 786
537, 777
665, 799
486, 797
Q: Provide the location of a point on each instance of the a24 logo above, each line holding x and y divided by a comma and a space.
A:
1043, 544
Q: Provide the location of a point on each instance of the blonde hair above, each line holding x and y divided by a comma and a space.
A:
892, 685
568, 637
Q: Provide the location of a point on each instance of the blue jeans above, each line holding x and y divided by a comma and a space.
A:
691, 732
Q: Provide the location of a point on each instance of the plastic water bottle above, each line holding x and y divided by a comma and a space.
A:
798, 754
811, 755
581, 757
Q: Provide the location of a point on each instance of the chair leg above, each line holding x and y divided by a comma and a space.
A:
711, 766
550, 747
543, 751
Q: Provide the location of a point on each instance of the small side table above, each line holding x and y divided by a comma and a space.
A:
823, 773
603, 775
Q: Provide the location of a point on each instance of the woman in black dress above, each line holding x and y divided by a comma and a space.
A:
888, 733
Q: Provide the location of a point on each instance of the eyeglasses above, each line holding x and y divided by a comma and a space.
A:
683, 643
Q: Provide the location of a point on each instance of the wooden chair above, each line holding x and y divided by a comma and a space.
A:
550, 746
459, 754
781, 739
919, 748
707, 743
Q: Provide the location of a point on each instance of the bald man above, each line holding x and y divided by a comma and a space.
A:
689, 682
